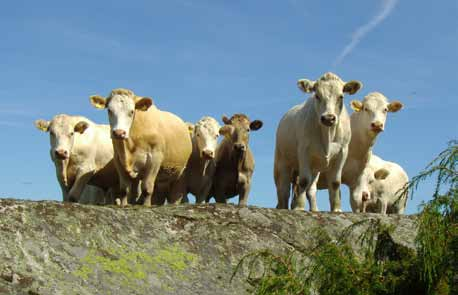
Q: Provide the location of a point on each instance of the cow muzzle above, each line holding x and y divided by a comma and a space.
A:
377, 127
119, 134
61, 154
328, 120
240, 147
208, 154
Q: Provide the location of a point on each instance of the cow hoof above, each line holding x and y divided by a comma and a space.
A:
337, 211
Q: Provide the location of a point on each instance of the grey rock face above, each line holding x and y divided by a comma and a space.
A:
55, 248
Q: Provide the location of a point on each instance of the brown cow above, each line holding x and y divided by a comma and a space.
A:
234, 160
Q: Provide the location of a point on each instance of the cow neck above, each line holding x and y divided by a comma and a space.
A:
361, 144
327, 137
61, 167
123, 151
197, 160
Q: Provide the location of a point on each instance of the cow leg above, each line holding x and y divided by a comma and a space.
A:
283, 185
244, 189
305, 180
178, 190
205, 191
383, 206
81, 179
334, 180
154, 164
134, 191
356, 205
311, 193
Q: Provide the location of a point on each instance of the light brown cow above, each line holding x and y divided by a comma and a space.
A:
234, 160
201, 165
82, 154
151, 146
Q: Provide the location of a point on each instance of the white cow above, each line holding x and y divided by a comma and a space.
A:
313, 137
367, 122
379, 186
82, 153
201, 165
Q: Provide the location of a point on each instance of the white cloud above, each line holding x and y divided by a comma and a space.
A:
386, 8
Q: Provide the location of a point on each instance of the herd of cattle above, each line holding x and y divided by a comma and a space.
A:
149, 156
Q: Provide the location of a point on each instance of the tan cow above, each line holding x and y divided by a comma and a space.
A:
234, 159
151, 146
313, 137
201, 165
82, 154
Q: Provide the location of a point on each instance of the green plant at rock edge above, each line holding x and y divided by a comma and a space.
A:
332, 267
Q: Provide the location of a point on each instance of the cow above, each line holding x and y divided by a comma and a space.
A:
311, 138
151, 147
379, 187
234, 160
82, 153
201, 165
368, 120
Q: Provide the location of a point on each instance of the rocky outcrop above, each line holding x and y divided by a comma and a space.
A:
59, 248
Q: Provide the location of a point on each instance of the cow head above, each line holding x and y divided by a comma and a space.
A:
372, 111
368, 189
62, 130
206, 132
121, 105
328, 94
237, 130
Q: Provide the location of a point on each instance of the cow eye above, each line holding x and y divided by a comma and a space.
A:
52, 133
110, 112
317, 96
71, 133
341, 96
131, 113
385, 110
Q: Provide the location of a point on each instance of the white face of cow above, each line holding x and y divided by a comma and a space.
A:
369, 186
328, 96
206, 133
121, 105
372, 112
62, 131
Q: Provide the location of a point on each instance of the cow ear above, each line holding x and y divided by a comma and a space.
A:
255, 125
42, 125
395, 106
226, 120
352, 87
81, 127
356, 105
143, 103
98, 101
381, 174
225, 130
190, 127
306, 85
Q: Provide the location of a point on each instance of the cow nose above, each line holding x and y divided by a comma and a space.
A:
328, 119
377, 126
240, 147
365, 196
61, 153
208, 154
119, 133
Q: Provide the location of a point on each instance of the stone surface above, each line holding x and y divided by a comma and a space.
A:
55, 248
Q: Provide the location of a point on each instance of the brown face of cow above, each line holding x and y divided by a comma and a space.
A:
237, 129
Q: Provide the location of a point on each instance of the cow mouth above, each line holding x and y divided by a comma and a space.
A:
376, 130
328, 123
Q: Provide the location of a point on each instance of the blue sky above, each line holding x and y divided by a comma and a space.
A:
198, 58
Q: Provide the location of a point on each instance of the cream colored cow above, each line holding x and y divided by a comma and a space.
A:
313, 137
151, 146
379, 187
201, 165
367, 121
82, 153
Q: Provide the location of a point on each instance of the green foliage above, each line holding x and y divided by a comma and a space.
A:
383, 267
